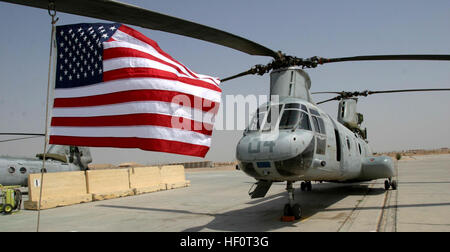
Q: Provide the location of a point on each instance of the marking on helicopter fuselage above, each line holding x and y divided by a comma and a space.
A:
269, 144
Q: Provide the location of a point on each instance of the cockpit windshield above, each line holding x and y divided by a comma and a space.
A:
265, 118
272, 117
258, 119
294, 118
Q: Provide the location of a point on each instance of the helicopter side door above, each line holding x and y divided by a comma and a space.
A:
321, 150
351, 155
338, 144
325, 146
319, 132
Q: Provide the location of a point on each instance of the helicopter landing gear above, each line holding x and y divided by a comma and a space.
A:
292, 209
390, 183
306, 186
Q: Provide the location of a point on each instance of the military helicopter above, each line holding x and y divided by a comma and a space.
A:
59, 158
290, 139
303, 143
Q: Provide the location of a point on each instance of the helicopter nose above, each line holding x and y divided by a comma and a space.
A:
290, 154
300, 142
283, 146
301, 161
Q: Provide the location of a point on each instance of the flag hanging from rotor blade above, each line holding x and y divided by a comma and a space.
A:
114, 87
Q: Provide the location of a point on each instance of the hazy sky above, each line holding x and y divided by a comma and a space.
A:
300, 28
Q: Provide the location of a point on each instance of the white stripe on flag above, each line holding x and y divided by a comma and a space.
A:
151, 107
125, 62
153, 132
125, 40
137, 84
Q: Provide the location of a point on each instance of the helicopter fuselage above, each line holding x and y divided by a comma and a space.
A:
322, 150
294, 140
15, 171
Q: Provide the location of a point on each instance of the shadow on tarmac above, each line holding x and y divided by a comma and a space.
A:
264, 214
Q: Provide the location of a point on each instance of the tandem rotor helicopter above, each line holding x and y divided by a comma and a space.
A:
288, 140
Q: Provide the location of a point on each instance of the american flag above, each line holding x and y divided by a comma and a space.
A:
114, 87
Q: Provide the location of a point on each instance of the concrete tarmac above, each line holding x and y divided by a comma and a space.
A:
218, 201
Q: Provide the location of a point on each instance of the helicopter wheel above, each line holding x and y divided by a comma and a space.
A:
394, 184
287, 210
296, 211
309, 186
291, 209
387, 185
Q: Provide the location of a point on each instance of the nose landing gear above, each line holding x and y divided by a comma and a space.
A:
291, 209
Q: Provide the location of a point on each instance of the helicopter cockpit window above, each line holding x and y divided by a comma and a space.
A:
294, 118
272, 118
319, 125
292, 105
322, 125
295, 106
314, 112
257, 120
304, 108
316, 124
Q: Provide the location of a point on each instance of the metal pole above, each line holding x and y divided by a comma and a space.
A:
52, 13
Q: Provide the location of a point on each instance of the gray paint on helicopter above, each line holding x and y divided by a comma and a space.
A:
15, 171
307, 155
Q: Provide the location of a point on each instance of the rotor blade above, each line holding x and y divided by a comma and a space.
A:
236, 76
251, 71
387, 57
21, 134
408, 90
16, 139
326, 93
332, 99
368, 92
344, 94
129, 14
257, 69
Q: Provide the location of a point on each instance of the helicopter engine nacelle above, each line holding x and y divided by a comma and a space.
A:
347, 114
290, 82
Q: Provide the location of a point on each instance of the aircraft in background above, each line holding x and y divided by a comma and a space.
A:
59, 158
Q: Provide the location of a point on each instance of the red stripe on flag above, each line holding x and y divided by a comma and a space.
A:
118, 52
139, 95
149, 144
143, 72
134, 120
152, 43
